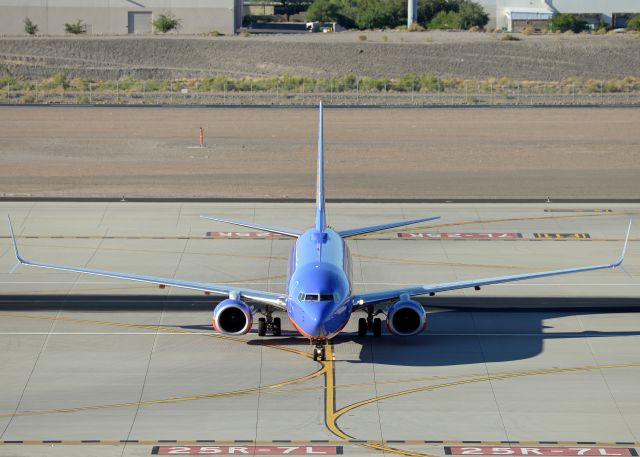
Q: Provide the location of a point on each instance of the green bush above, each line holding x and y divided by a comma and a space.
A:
567, 22
323, 11
427, 9
472, 14
30, 27
166, 22
378, 14
76, 28
446, 20
634, 23
57, 81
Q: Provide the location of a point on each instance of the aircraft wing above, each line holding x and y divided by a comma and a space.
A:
267, 298
362, 300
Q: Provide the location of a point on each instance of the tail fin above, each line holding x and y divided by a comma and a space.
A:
321, 224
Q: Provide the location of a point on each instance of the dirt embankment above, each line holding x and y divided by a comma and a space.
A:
379, 54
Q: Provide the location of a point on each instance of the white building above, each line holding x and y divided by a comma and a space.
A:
513, 15
118, 17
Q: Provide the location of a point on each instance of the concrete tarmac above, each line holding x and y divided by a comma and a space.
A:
103, 367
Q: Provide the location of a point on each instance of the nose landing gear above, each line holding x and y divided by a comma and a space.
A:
319, 353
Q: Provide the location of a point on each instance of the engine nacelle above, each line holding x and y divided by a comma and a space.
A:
232, 317
406, 318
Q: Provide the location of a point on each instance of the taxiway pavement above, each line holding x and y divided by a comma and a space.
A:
124, 366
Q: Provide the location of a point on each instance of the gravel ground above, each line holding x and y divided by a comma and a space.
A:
383, 54
371, 153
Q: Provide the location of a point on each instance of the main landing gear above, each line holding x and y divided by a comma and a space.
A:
319, 352
370, 323
270, 323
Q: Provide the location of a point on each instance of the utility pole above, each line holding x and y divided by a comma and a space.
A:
412, 12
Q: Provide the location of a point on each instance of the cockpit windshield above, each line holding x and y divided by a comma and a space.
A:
315, 297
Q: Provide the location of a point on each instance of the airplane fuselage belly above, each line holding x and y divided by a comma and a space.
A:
319, 299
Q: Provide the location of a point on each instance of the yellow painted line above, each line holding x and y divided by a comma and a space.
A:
510, 375
253, 390
331, 417
233, 393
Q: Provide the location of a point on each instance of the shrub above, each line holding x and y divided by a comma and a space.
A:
528, 31
445, 20
166, 22
30, 27
362, 37
76, 28
509, 37
28, 98
59, 80
245, 33
472, 14
215, 33
634, 23
377, 14
415, 27
323, 11
567, 22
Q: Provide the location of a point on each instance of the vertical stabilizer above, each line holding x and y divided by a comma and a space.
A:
320, 214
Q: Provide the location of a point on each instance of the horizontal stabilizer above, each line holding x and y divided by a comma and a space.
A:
377, 228
267, 228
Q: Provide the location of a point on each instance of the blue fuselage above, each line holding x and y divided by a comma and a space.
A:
319, 301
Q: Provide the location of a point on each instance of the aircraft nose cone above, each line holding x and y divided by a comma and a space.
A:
316, 318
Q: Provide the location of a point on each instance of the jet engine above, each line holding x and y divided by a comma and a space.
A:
232, 317
406, 318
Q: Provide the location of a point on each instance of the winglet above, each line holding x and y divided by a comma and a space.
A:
624, 249
15, 244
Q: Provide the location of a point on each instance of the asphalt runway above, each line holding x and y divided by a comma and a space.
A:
93, 366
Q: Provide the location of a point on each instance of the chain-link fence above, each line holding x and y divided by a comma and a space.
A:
463, 94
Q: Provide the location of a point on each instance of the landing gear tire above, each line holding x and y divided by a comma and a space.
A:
319, 354
262, 326
362, 327
276, 327
377, 328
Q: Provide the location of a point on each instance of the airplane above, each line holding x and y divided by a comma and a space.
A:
319, 299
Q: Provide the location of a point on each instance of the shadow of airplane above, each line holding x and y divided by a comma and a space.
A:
460, 330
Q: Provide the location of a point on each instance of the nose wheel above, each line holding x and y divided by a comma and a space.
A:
319, 353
